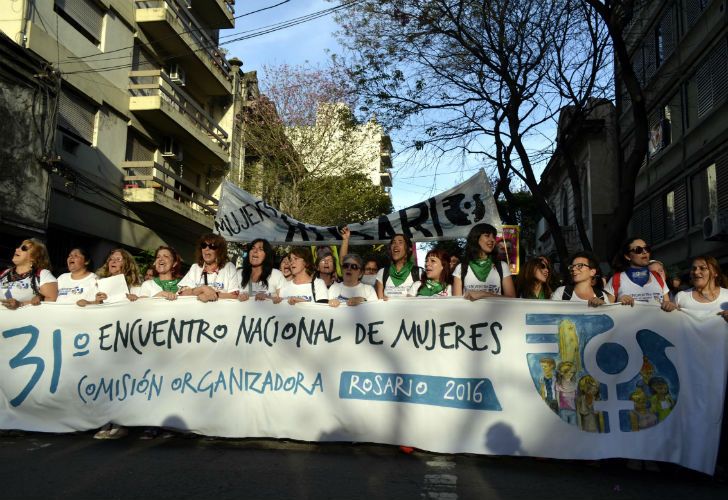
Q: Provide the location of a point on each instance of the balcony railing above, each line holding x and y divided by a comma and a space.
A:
152, 83
149, 174
206, 47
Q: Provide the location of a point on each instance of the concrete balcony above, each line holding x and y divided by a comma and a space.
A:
157, 190
385, 178
174, 32
214, 13
157, 100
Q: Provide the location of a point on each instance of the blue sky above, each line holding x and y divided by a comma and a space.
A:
309, 42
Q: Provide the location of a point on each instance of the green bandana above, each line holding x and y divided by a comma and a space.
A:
541, 295
167, 285
431, 288
481, 268
399, 277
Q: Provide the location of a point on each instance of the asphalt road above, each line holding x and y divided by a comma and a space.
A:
76, 466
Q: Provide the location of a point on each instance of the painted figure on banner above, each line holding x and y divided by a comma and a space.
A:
568, 389
547, 383
588, 419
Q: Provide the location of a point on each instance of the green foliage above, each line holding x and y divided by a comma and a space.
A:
341, 199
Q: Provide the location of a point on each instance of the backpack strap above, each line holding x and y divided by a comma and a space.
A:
385, 277
658, 278
313, 290
568, 292
416, 273
615, 284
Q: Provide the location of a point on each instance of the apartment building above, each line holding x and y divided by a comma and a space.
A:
680, 52
145, 117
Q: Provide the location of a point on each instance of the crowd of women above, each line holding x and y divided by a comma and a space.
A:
477, 274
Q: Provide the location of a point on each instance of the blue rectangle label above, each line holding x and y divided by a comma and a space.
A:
463, 393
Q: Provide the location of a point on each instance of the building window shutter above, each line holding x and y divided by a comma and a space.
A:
681, 208
721, 173
84, 13
658, 217
76, 116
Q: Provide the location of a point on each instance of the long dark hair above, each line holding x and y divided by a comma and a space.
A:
618, 263
526, 280
267, 266
446, 275
472, 245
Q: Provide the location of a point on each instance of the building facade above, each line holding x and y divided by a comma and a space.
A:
594, 153
679, 50
145, 117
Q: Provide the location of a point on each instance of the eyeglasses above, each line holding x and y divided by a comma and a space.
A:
578, 266
353, 267
211, 246
24, 248
639, 249
370, 269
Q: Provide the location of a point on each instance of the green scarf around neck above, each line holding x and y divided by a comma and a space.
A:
430, 288
399, 277
167, 285
481, 268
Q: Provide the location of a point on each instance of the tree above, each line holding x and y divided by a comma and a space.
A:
308, 153
485, 78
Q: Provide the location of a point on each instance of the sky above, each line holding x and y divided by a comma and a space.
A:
309, 42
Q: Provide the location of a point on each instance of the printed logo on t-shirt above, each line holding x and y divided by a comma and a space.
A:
76, 290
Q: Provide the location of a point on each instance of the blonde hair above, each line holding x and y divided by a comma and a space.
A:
569, 343
38, 253
129, 268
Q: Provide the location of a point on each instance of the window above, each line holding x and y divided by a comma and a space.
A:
660, 130
676, 211
693, 10
76, 116
711, 79
704, 194
664, 38
84, 15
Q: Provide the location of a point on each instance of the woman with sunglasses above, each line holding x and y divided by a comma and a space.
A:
212, 277
29, 280
633, 280
79, 283
258, 278
166, 275
436, 282
534, 281
710, 288
481, 274
350, 290
303, 287
586, 282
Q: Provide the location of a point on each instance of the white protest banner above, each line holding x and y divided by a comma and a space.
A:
449, 215
503, 377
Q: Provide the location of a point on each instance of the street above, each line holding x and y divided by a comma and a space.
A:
76, 466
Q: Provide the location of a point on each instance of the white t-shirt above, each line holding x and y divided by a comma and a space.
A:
224, 280
22, 290
492, 283
559, 295
651, 292
391, 290
71, 291
342, 292
275, 283
412, 292
685, 300
150, 288
303, 291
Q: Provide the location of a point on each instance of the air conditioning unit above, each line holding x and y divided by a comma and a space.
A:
715, 227
171, 149
177, 74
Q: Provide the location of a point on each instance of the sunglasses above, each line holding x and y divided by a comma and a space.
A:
542, 265
211, 246
578, 266
24, 248
353, 267
638, 249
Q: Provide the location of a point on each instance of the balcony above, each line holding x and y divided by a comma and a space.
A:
156, 99
159, 191
215, 13
385, 178
177, 35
